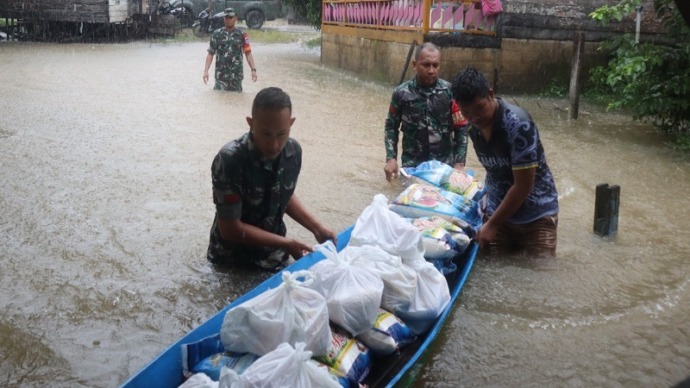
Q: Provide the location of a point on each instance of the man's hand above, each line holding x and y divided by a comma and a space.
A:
391, 169
297, 249
486, 234
323, 234
205, 77
254, 77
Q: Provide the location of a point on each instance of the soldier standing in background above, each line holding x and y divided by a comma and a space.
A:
432, 125
228, 44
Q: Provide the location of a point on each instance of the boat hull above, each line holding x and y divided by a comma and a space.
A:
166, 369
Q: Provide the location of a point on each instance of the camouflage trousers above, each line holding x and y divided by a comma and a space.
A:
228, 82
264, 258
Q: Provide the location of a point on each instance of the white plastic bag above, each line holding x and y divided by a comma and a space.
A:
353, 294
284, 367
379, 226
288, 313
399, 280
431, 298
199, 380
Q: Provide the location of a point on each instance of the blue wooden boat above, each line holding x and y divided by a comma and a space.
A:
166, 369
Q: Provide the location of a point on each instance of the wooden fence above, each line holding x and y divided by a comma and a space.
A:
410, 15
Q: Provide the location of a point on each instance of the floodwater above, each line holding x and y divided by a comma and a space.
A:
105, 209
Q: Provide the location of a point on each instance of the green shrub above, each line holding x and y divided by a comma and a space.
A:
652, 80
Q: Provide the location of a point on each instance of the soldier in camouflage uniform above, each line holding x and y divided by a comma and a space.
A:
254, 179
228, 44
432, 125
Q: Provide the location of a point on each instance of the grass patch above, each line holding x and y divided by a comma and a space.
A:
255, 36
313, 43
271, 36
555, 88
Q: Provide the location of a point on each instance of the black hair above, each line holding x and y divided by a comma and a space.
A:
469, 84
271, 98
425, 46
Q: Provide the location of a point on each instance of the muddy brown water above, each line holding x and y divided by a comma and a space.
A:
105, 209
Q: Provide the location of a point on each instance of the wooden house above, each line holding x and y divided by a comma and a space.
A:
87, 11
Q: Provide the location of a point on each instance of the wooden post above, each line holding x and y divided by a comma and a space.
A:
576, 67
426, 12
606, 210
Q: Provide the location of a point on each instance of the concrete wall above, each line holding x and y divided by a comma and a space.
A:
520, 65
533, 46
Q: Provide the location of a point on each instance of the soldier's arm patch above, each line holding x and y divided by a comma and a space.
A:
231, 198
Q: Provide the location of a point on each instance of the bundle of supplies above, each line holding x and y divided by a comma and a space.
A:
446, 177
352, 293
291, 312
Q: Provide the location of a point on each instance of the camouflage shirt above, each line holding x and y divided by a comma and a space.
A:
426, 115
229, 47
515, 144
255, 191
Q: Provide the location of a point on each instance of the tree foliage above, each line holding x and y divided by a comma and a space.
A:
652, 80
311, 9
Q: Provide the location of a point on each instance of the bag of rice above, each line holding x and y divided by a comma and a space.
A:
388, 335
349, 356
446, 177
423, 200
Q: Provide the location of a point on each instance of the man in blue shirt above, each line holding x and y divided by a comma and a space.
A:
521, 202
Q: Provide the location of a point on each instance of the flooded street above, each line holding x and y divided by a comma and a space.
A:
105, 210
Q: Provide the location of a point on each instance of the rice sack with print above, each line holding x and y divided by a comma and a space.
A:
446, 177
388, 335
348, 356
423, 200
442, 241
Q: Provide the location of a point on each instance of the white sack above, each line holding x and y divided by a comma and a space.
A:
431, 298
380, 226
353, 294
290, 313
399, 280
284, 367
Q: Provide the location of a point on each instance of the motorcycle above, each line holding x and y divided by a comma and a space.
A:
207, 23
182, 14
